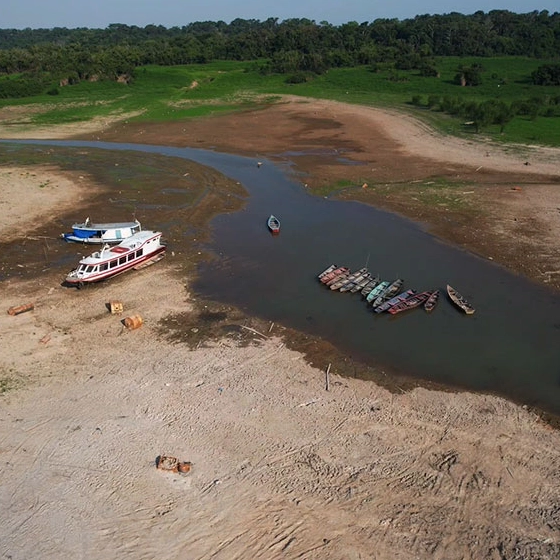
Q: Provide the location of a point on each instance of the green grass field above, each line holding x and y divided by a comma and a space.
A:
181, 92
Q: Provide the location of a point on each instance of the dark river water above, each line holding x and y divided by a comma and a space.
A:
510, 346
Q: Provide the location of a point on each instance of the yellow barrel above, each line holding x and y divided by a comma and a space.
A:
116, 307
133, 322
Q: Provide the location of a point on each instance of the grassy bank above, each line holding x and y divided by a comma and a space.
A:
182, 92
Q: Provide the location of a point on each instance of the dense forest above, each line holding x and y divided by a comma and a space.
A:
32, 60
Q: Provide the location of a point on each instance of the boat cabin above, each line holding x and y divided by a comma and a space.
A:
112, 263
89, 232
140, 248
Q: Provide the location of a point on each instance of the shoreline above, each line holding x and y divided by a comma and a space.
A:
496, 201
284, 464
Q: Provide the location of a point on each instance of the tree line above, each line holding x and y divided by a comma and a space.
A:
35, 61
291, 44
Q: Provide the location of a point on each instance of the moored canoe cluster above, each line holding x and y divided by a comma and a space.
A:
386, 295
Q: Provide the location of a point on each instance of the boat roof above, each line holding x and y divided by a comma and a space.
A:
120, 249
124, 246
136, 239
105, 226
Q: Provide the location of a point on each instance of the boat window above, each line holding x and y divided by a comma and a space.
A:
114, 263
89, 268
131, 257
122, 260
138, 253
103, 266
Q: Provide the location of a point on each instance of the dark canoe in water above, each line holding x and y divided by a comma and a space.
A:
358, 286
331, 276
432, 301
409, 303
349, 282
382, 286
338, 279
388, 292
370, 286
274, 224
459, 300
327, 271
394, 300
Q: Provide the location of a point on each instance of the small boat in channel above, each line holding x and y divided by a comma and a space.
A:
327, 270
388, 292
113, 232
274, 225
358, 286
348, 279
347, 287
431, 302
409, 303
325, 279
340, 281
459, 300
359, 278
338, 278
377, 290
137, 251
370, 285
394, 300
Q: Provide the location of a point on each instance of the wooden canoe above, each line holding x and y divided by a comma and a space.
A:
459, 300
274, 224
431, 301
409, 303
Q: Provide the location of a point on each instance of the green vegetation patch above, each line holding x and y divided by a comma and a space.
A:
8, 382
504, 105
435, 193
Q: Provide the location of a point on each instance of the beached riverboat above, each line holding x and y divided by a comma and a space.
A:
114, 232
138, 250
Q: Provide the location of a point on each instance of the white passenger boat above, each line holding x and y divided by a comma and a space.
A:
138, 250
115, 232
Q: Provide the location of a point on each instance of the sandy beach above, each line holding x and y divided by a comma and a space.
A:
287, 460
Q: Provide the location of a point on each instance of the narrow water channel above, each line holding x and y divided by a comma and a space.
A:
510, 346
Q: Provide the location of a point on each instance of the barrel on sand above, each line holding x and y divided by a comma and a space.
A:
133, 322
16, 310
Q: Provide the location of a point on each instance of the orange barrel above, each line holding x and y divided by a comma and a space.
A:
133, 322
21, 308
184, 466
